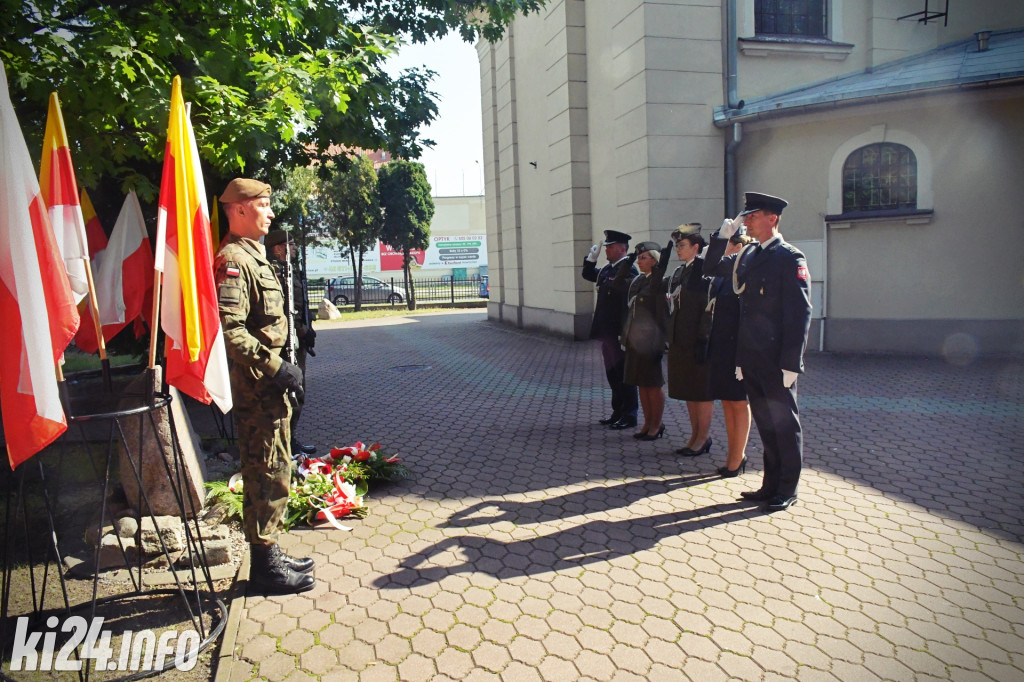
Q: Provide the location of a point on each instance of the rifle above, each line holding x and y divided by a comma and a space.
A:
289, 307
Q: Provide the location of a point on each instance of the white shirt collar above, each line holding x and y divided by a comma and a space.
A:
621, 259
776, 238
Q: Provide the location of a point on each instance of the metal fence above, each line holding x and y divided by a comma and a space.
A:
393, 293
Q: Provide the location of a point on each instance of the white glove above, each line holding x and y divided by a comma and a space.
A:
729, 227
592, 256
739, 374
788, 378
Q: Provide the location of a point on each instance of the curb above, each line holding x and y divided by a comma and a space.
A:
225, 653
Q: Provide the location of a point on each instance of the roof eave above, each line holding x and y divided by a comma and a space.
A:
724, 118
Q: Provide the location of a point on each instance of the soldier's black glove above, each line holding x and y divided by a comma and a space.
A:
309, 338
630, 259
666, 253
289, 378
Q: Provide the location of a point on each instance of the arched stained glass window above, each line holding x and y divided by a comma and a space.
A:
880, 177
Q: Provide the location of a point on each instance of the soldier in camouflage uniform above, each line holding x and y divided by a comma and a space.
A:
280, 247
255, 328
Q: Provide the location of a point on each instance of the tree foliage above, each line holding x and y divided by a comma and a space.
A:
350, 211
273, 83
408, 208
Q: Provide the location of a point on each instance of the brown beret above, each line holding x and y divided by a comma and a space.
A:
241, 189
275, 237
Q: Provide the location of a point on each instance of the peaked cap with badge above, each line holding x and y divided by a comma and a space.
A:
615, 237
755, 201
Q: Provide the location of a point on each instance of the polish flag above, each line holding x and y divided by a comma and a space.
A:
33, 280
59, 191
123, 277
197, 362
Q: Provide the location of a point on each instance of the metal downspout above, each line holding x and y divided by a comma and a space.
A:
732, 102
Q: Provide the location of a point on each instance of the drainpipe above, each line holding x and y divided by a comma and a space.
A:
732, 102
731, 190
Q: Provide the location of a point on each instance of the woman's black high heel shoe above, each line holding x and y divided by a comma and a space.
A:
640, 435
654, 436
726, 472
690, 452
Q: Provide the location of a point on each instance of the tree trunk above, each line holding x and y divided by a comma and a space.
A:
357, 271
410, 289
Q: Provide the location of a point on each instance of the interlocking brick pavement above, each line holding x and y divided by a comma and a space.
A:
533, 544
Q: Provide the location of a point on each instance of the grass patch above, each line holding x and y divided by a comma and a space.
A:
77, 361
398, 311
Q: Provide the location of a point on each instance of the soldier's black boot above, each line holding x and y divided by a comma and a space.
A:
269, 572
303, 565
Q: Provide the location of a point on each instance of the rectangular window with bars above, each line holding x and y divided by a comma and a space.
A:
793, 18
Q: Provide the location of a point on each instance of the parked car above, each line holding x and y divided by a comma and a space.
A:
342, 291
485, 287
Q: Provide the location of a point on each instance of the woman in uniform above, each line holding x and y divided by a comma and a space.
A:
722, 382
643, 336
687, 338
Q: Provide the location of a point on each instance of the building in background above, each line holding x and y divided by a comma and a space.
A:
458, 247
893, 128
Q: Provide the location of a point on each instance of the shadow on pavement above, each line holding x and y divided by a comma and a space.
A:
588, 543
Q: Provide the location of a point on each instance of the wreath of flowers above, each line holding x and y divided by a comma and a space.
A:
325, 488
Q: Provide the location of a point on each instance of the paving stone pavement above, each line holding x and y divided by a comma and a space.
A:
533, 544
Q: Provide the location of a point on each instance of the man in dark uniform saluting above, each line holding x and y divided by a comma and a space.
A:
252, 315
774, 287
609, 314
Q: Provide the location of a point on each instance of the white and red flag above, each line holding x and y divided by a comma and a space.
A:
123, 277
196, 358
59, 190
37, 309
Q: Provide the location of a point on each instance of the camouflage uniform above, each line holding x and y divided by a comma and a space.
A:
299, 321
255, 330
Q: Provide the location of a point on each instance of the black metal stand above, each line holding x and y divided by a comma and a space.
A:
32, 510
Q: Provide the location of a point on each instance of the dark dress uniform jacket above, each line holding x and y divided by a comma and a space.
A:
687, 369
775, 305
610, 311
725, 326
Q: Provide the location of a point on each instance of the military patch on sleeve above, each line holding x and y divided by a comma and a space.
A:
228, 295
231, 270
801, 272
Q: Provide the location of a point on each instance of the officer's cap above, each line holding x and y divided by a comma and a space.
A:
615, 237
755, 201
275, 237
644, 247
242, 189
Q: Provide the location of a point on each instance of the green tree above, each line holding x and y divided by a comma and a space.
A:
351, 213
404, 195
273, 83
296, 207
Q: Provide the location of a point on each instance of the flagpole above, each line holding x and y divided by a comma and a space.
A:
94, 307
154, 329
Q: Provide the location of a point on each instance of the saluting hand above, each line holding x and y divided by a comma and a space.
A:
592, 256
730, 227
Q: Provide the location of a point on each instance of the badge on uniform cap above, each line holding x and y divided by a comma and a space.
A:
232, 271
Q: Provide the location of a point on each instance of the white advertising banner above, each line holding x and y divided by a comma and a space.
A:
323, 261
456, 251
